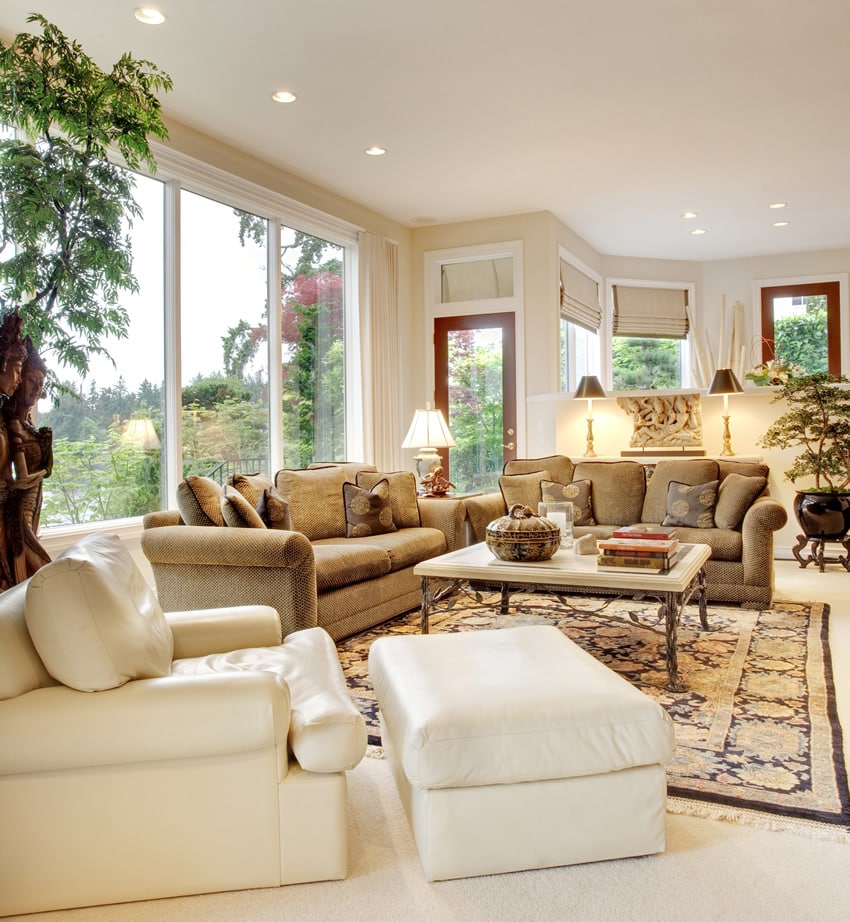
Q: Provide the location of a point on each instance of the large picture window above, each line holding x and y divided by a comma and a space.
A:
193, 388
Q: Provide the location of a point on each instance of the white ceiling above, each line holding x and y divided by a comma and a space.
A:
615, 115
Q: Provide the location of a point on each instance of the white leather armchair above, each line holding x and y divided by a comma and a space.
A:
205, 756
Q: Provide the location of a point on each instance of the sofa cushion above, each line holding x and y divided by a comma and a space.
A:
367, 512
403, 499
619, 489
560, 467
725, 543
94, 620
685, 470
577, 492
199, 501
273, 509
523, 488
691, 505
326, 732
408, 546
344, 561
237, 512
251, 486
734, 497
21, 668
314, 495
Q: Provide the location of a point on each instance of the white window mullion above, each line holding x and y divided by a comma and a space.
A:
276, 459
173, 395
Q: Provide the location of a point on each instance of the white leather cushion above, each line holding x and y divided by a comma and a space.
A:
511, 705
94, 620
326, 732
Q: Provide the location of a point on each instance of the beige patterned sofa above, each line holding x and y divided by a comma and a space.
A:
615, 493
308, 551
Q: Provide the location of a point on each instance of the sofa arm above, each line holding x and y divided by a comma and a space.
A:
147, 720
446, 514
219, 630
765, 516
481, 510
206, 567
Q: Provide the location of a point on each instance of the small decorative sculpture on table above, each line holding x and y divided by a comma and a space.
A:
435, 484
26, 455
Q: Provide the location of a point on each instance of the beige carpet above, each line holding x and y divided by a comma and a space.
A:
710, 871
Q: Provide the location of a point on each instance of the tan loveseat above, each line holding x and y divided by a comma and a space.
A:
305, 564
627, 492
145, 755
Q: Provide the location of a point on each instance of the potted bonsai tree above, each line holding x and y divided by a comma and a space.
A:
817, 422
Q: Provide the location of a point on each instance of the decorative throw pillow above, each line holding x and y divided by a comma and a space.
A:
199, 501
94, 620
273, 509
315, 500
251, 486
367, 512
522, 488
577, 492
402, 495
734, 497
691, 506
237, 512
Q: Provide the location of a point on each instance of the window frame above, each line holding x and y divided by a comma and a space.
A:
838, 323
689, 373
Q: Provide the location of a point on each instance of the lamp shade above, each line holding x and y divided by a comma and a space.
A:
428, 430
724, 382
140, 433
589, 388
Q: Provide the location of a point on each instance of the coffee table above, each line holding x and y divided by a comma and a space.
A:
672, 588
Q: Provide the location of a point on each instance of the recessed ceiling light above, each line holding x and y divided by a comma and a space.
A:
689, 214
778, 205
283, 96
149, 16
698, 230
375, 151
781, 223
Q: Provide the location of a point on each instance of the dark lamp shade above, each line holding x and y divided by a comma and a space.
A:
589, 388
725, 382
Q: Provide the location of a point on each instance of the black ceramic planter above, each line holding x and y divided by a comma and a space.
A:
823, 515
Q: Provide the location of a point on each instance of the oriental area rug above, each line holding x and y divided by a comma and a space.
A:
758, 737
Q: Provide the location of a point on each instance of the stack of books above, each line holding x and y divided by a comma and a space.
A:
642, 547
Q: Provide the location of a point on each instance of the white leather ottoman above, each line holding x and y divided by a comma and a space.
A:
514, 749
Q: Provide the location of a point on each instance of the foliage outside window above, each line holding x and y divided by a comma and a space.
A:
800, 332
646, 364
475, 408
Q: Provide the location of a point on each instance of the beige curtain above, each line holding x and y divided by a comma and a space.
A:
379, 352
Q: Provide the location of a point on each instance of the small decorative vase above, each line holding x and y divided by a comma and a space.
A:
522, 536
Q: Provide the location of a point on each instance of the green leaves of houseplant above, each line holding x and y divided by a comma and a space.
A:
818, 423
65, 208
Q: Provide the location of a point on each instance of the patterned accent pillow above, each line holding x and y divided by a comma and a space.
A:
577, 492
199, 501
402, 495
691, 506
734, 497
367, 512
237, 512
251, 486
273, 509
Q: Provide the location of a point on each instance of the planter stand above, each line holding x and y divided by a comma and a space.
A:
816, 552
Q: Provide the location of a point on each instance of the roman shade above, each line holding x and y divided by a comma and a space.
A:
580, 298
660, 313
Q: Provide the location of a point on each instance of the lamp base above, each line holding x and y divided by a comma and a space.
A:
727, 439
590, 453
427, 460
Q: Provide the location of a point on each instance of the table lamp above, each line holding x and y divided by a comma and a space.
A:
724, 382
588, 389
428, 432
